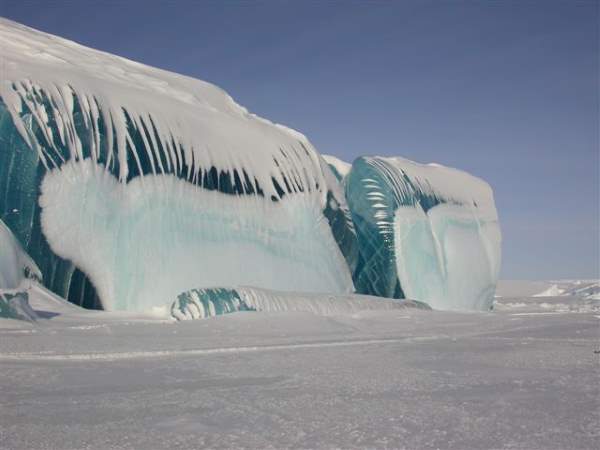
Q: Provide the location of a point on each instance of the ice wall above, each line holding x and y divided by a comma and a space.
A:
128, 185
141, 242
425, 232
150, 178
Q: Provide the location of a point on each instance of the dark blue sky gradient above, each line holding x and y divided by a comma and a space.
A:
505, 90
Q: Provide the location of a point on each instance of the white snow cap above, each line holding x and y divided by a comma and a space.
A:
452, 184
341, 166
196, 122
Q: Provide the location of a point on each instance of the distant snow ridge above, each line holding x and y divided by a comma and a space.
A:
573, 288
154, 183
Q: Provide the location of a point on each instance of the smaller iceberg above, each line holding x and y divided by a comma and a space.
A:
425, 232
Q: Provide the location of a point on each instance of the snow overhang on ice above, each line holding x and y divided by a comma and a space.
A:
450, 184
191, 123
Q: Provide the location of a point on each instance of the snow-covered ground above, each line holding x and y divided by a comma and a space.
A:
523, 376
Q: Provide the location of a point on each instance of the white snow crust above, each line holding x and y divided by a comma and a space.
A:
450, 183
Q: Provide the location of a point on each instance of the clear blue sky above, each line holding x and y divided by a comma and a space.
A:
507, 90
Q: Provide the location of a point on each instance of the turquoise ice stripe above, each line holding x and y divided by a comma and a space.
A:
373, 200
340, 222
20, 177
374, 191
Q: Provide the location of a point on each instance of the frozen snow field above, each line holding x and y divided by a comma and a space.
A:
524, 376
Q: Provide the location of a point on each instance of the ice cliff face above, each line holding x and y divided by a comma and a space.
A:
128, 185
154, 183
425, 232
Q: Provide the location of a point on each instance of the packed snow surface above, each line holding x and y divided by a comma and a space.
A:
195, 122
411, 378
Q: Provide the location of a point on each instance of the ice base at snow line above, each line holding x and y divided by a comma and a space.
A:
144, 242
425, 232
203, 303
15, 305
444, 257
15, 263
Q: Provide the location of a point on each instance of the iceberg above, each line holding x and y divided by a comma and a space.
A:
425, 232
153, 183
123, 185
